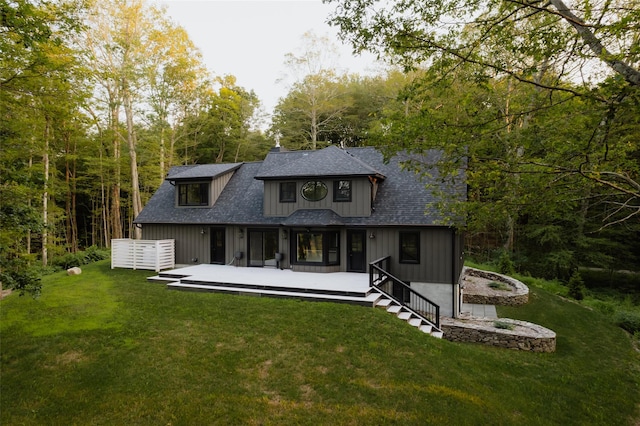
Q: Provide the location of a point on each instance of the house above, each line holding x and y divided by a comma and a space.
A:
330, 210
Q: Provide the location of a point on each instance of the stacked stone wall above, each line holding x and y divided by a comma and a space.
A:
524, 336
519, 294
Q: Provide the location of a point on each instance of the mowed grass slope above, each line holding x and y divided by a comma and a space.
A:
107, 347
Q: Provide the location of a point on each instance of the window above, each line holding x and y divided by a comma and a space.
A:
342, 190
316, 247
314, 191
193, 194
287, 192
409, 247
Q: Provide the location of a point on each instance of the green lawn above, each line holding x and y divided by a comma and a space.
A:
107, 347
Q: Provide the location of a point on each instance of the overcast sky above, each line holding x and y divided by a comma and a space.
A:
249, 38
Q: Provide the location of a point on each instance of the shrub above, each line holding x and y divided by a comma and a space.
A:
94, 254
505, 264
19, 276
499, 286
69, 260
503, 325
576, 286
628, 320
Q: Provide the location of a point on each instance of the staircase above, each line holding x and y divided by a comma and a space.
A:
407, 314
401, 300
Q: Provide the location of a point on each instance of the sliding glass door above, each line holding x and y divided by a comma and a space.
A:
263, 246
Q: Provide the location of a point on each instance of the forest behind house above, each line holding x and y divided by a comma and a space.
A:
540, 103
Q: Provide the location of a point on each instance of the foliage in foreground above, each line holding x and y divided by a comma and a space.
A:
106, 347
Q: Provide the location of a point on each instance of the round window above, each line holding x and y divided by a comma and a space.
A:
314, 191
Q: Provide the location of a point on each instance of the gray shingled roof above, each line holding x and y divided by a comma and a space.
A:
313, 218
201, 171
401, 200
331, 161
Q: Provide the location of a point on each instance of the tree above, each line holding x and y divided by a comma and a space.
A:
586, 51
220, 130
38, 100
315, 96
178, 85
356, 108
146, 70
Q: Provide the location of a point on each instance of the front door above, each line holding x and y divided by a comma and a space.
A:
356, 251
263, 246
217, 245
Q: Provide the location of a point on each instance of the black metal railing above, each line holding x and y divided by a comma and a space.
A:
381, 278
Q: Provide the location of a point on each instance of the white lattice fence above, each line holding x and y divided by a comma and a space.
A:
143, 254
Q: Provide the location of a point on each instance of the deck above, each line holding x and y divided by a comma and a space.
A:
342, 287
345, 287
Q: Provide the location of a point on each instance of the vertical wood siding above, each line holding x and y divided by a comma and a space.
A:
436, 250
359, 206
440, 249
190, 243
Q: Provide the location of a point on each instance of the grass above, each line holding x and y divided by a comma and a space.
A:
107, 347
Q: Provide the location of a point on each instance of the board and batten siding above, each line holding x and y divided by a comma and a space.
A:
436, 251
359, 206
191, 245
440, 249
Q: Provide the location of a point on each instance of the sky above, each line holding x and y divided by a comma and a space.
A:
250, 38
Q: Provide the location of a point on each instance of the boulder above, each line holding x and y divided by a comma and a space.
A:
74, 271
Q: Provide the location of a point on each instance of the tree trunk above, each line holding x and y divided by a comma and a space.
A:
29, 204
45, 192
162, 155
314, 130
70, 205
116, 225
630, 74
133, 162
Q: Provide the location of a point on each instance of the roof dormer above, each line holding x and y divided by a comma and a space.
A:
200, 185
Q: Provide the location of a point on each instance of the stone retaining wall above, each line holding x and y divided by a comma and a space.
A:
519, 295
525, 336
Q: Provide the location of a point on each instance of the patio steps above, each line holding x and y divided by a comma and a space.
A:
407, 315
299, 294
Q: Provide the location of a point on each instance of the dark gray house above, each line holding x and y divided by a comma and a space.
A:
330, 210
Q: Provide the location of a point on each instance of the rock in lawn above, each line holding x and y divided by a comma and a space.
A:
74, 271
